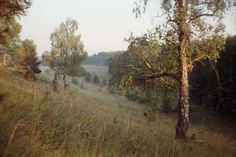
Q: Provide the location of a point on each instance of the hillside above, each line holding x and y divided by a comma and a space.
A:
39, 122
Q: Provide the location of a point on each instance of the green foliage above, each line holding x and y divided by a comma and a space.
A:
67, 51
9, 39
187, 21
96, 79
118, 68
104, 82
204, 36
163, 56
133, 95
144, 56
210, 90
166, 106
88, 77
9, 27
26, 57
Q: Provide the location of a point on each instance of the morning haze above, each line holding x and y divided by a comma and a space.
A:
103, 24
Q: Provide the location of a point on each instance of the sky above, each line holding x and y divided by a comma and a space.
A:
103, 24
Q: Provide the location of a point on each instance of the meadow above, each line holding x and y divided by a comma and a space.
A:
35, 121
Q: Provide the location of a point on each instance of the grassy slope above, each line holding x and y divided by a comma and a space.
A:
35, 121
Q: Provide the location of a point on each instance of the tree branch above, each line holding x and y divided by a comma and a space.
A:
162, 74
217, 74
171, 20
158, 74
149, 66
201, 15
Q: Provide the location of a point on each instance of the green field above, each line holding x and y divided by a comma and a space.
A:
35, 121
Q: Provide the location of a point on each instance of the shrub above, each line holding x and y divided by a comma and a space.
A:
104, 82
75, 81
166, 106
96, 79
88, 77
133, 95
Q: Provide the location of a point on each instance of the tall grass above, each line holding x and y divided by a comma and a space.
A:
34, 121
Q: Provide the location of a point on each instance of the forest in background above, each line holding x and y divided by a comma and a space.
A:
101, 58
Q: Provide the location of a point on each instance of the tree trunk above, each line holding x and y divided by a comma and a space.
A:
183, 106
66, 85
55, 81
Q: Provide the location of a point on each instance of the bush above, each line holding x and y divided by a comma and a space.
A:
133, 95
88, 77
166, 106
112, 89
75, 81
138, 95
96, 79
81, 72
104, 82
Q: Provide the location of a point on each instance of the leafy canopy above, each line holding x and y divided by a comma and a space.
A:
26, 57
67, 51
9, 27
156, 53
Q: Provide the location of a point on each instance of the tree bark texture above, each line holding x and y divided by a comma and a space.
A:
183, 105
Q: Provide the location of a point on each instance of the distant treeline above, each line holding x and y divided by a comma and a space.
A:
102, 58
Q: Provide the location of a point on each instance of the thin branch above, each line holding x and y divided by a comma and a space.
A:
201, 15
171, 20
149, 66
217, 74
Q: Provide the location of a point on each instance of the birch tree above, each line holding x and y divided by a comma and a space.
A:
67, 50
187, 21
